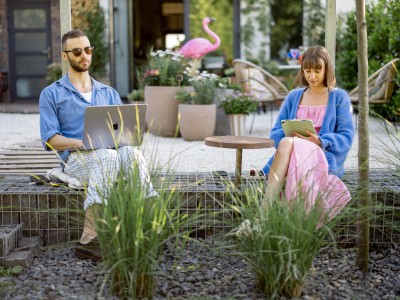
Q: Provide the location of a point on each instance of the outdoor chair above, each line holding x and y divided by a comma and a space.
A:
380, 86
259, 83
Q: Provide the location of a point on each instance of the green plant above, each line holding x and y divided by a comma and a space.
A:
165, 68
239, 103
383, 44
133, 229
54, 72
222, 11
93, 24
204, 89
279, 239
11, 271
136, 95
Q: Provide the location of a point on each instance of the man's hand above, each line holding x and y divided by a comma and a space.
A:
313, 138
60, 143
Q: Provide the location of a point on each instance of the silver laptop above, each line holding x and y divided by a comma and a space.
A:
114, 126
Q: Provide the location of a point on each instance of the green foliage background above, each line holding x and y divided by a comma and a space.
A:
222, 11
383, 19
286, 26
93, 24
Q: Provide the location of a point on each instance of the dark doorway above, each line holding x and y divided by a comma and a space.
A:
155, 23
29, 47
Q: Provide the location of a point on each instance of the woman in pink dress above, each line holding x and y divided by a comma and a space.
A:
312, 165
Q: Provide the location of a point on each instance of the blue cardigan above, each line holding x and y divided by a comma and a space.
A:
336, 132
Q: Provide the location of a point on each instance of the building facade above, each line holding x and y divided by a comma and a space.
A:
30, 39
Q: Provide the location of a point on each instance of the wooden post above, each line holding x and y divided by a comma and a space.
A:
363, 218
330, 29
65, 26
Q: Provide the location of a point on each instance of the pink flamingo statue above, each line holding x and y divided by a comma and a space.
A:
198, 47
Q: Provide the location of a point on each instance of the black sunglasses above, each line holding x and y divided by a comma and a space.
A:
78, 51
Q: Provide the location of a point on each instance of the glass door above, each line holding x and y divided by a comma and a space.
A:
29, 33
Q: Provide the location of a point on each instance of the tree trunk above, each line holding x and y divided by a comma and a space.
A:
363, 141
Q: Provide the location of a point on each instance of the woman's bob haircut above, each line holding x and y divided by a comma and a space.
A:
316, 57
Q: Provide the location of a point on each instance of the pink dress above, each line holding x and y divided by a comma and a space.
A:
308, 170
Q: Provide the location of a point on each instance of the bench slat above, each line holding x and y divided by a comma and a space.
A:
28, 161
39, 164
24, 152
24, 172
29, 157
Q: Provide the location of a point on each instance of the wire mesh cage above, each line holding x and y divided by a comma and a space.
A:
211, 195
56, 213
384, 212
53, 213
9, 237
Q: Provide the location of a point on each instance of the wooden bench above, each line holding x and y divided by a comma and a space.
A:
26, 159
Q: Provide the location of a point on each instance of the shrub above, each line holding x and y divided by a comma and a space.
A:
383, 18
204, 90
239, 103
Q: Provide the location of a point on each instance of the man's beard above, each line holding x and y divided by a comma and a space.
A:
75, 65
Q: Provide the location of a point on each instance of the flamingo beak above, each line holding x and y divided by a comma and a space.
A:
212, 20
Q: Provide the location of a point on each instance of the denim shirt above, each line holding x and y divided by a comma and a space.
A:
62, 109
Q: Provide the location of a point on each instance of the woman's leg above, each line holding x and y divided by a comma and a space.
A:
279, 167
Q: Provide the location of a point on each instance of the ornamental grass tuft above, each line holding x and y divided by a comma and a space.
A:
279, 239
133, 229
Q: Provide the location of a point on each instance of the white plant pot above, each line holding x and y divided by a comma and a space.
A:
237, 124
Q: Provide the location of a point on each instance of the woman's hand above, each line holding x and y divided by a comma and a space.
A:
313, 138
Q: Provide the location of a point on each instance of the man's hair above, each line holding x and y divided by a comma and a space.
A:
312, 59
72, 35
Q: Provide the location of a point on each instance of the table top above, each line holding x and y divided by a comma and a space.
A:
238, 142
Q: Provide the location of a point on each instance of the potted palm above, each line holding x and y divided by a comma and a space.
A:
237, 106
197, 109
162, 79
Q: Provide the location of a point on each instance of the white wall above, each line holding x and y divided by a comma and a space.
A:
343, 6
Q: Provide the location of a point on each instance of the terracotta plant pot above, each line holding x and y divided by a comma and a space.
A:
197, 121
162, 110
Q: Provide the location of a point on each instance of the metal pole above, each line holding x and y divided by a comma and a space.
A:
330, 29
111, 33
236, 28
65, 26
186, 19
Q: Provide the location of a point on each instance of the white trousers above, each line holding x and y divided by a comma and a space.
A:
99, 170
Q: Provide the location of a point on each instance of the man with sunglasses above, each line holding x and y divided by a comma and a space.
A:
62, 107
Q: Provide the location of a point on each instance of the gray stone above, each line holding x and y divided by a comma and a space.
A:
20, 258
30, 244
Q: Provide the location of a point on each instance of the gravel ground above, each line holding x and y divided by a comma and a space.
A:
205, 274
